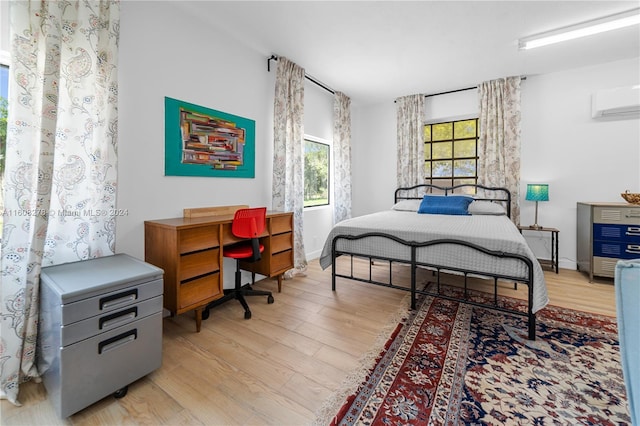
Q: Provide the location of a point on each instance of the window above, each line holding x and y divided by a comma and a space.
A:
451, 152
316, 172
4, 95
4, 81
4, 104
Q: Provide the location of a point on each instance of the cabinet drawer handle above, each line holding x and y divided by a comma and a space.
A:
633, 215
117, 341
118, 299
633, 249
118, 317
633, 234
633, 231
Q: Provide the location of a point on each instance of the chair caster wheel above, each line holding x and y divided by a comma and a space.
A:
270, 299
205, 314
247, 314
120, 393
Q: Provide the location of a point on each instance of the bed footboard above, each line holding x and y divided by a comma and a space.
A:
411, 259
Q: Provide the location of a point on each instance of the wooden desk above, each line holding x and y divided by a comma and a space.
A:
189, 250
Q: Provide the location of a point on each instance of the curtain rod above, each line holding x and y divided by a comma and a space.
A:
307, 76
450, 91
459, 90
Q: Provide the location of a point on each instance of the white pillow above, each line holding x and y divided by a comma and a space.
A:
486, 207
407, 205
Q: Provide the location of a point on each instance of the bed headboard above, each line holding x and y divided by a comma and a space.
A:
486, 193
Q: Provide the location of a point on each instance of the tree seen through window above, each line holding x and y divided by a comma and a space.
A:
450, 152
316, 173
4, 105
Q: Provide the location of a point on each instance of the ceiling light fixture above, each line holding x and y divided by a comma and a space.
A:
608, 23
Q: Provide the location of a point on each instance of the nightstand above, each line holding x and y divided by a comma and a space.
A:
553, 263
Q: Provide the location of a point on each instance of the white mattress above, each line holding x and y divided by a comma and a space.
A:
495, 233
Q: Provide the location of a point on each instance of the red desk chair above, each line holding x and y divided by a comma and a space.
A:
249, 224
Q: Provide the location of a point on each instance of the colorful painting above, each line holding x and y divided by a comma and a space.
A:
204, 142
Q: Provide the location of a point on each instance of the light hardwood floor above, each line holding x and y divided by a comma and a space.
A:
277, 368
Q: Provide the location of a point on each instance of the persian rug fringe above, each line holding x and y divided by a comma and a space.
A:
367, 361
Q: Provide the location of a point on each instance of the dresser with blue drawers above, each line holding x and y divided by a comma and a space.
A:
606, 233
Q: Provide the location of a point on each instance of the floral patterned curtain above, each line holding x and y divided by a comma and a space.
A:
60, 172
342, 157
499, 137
410, 136
288, 136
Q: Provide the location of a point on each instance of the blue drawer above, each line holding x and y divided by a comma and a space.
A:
616, 250
618, 233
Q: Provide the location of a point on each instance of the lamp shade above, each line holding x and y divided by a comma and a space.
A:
537, 192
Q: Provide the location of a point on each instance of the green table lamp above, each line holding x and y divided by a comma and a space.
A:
537, 192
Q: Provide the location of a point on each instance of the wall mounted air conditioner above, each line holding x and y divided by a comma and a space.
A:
620, 102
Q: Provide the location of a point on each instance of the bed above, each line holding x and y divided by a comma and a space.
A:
479, 241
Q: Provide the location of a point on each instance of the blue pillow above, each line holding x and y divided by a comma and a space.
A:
451, 204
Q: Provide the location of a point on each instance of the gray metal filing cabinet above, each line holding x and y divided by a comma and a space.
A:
100, 328
606, 233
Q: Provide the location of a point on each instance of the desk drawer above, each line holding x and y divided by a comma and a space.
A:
199, 263
96, 367
110, 302
281, 242
101, 323
196, 292
281, 224
281, 262
200, 238
227, 235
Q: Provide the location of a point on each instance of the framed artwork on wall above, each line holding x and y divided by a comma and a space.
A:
200, 141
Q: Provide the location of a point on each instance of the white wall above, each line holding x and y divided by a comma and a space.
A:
452, 106
163, 53
373, 157
582, 159
4, 26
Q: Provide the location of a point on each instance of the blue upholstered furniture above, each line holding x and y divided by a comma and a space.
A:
627, 287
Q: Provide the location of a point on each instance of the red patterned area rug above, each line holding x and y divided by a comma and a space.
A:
450, 363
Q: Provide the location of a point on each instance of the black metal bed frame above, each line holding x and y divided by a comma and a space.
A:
505, 198
414, 246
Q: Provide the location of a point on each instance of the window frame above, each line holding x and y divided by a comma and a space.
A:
452, 180
4, 67
329, 145
5, 60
